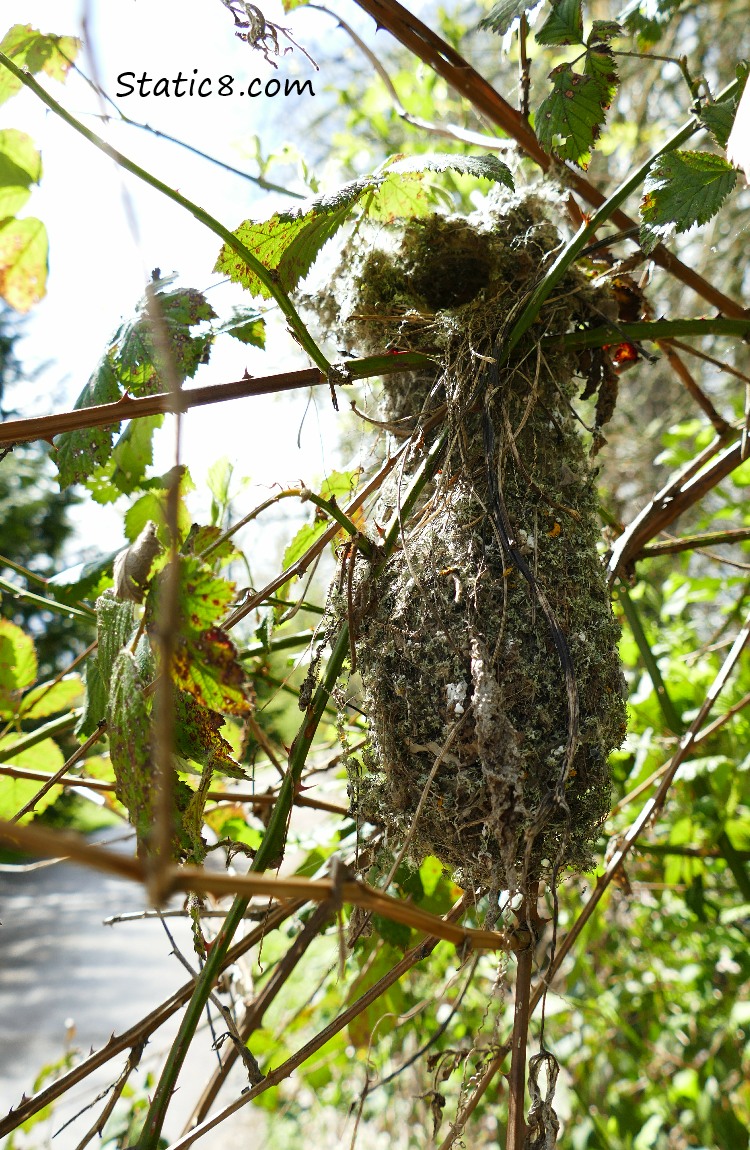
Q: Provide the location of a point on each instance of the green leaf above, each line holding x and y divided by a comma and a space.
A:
340, 484
18, 664
136, 351
130, 744
37, 53
95, 704
133, 454
502, 16
116, 627
51, 698
289, 242
247, 325
430, 873
23, 262
404, 192
83, 580
15, 793
200, 538
683, 189
482, 167
76, 451
401, 196
205, 659
564, 25
304, 539
133, 363
603, 31
570, 118
197, 736
600, 65
205, 664
719, 119
20, 167
398, 934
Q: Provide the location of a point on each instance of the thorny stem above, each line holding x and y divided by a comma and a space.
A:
524, 65
257, 1009
266, 277
521, 1015
47, 731
102, 415
44, 603
58, 775
331, 508
269, 854
660, 329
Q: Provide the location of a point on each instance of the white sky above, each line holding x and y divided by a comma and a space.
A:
98, 269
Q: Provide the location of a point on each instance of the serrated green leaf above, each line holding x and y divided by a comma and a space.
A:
340, 484
564, 25
570, 118
133, 363
95, 704
153, 505
719, 119
289, 242
430, 873
15, 793
130, 744
83, 580
115, 629
304, 539
205, 659
77, 452
502, 16
197, 736
247, 325
205, 664
199, 538
51, 698
604, 30
18, 665
136, 351
683, 189
204, 596
24, 249
20, 167
36, 52
482, 167
600, 65
133, 454
400, 196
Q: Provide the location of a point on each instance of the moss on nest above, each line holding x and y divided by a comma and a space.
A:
457, 659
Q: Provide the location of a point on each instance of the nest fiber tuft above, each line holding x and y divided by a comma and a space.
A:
463, 678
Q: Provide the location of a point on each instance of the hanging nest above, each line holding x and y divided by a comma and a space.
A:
471, 754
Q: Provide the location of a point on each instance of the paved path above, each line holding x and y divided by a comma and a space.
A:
59, 963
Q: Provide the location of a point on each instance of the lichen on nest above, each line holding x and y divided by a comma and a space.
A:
463, 683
